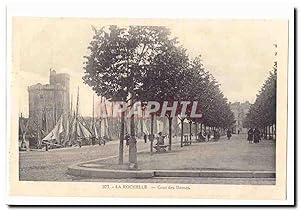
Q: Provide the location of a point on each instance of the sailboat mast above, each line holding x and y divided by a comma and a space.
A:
71, 104
46, 120
76, 114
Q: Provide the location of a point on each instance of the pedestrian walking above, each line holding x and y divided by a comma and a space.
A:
145, 137
127, 139
228, 134
250, 135
256, 136
104, 140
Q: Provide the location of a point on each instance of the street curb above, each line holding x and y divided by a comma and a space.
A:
76, 170
107, 173
215, 174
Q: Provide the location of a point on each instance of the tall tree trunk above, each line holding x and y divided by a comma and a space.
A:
181, 137
271, 135
121, 146
151, 133
142, 126
275, 131
132, 143
196, 130
190, 122
272, 132
100, 126
155, 131
170, 132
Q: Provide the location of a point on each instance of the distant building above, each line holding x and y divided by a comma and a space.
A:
48, 102
240, 110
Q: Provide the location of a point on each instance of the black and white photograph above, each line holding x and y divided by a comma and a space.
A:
145, 103
148, 105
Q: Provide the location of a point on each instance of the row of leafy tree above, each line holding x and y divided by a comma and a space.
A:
262, 114
143, 63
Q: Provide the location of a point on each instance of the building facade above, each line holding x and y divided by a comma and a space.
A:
240, 110
48, 102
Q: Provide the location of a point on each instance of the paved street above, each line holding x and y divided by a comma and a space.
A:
52, 165
235, 154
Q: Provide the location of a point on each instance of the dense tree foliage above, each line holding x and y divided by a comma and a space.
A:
143, 63
211, 102
262, 113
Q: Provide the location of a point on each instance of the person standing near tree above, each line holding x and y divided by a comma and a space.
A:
127, 139
145, 137
228, 134
250, 135
256, 135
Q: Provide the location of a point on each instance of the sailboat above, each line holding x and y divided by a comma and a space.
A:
54, 136
80, 134
68, 131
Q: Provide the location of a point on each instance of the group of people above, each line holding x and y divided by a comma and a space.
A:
253, 136
160, 138
214, 134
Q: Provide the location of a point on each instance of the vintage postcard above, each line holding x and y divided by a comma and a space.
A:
148, 107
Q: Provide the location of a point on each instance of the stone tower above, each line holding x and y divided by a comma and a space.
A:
48, 102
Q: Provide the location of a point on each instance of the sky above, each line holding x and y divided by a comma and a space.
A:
238, 53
